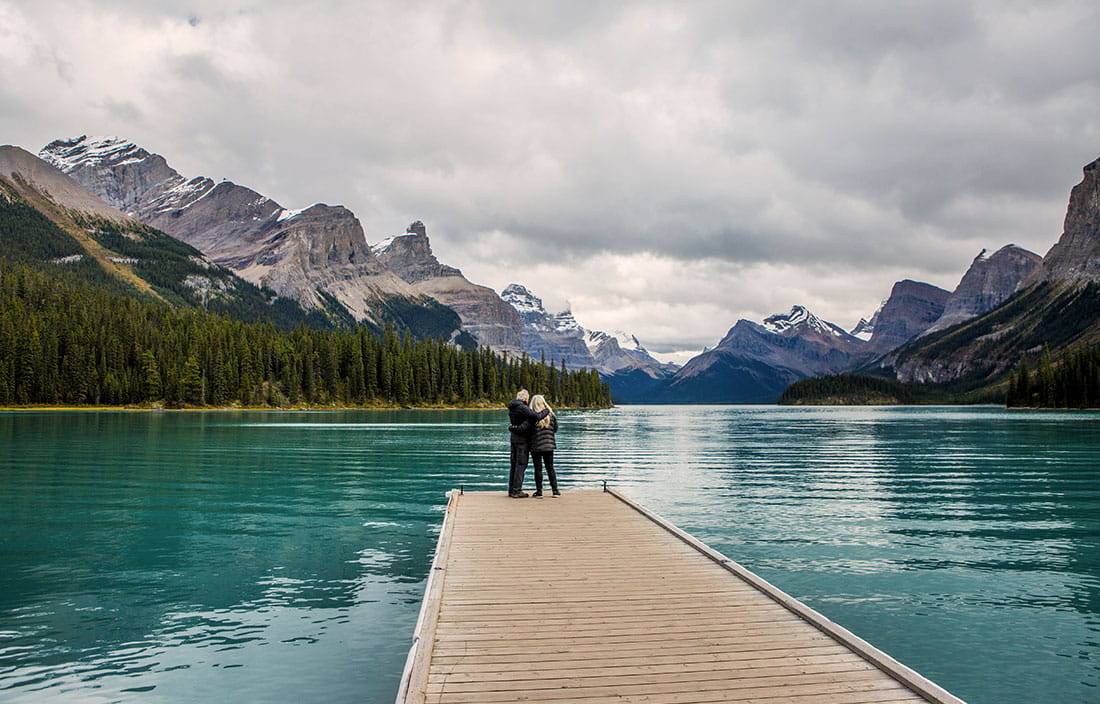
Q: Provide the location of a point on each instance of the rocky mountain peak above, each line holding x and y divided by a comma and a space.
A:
798, 320
117, 170
912, 308
626, 341
317, 256
525, 302
990, 281
1076, 255
410, 255
565, 322
93, 151
863, 329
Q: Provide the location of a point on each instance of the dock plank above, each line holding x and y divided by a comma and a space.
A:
589, 599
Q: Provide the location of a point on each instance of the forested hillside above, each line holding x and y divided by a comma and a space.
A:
66, 340
1074, 382
136, 258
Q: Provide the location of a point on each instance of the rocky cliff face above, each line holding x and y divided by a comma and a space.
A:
619, 351
484, 315
556, 336
755, 362
318, 255
989, 282
1055, 308
911, 309
1076, 255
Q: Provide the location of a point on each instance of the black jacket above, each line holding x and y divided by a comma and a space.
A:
521, 420
543, 438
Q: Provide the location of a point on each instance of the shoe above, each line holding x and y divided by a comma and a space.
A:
537, 495
557, 493
518, 495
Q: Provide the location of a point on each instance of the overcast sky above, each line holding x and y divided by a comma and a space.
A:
665, 167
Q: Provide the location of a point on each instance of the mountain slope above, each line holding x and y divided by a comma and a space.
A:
1058, 309
51, 222
317, 256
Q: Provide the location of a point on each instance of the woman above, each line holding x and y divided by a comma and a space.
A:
543, 445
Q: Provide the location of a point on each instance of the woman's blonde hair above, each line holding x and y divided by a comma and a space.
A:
537, 404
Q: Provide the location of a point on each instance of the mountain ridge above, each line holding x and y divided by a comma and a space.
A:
316, 255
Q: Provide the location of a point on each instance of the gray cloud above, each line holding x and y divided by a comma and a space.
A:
869, 137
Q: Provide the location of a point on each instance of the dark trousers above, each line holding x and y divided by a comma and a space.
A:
548, 457
521, 451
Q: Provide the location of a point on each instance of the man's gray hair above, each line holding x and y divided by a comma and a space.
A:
523, 395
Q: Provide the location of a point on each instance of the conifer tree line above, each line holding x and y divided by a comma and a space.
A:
67, 341
851, 388
1072, 383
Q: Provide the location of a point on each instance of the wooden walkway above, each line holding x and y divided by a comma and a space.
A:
589, 598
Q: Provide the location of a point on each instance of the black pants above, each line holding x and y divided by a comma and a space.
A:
549, 458
521, 451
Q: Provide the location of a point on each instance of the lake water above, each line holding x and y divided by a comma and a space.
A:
255, 557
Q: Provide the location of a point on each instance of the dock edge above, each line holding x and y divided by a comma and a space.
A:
900, 672
414, 677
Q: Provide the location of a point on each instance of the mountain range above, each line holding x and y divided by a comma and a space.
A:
227, 247
318, 257
755, 362
1055, 309
87, 234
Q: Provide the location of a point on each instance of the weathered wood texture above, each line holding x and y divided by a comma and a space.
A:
589, 599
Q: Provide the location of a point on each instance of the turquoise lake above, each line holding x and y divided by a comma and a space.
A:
258, 557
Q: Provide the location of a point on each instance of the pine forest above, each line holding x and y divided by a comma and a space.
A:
66, 340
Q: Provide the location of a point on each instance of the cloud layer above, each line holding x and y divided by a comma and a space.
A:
665, 167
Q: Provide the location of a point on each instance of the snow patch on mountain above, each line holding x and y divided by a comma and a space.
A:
800, 316
523, 300
625, 340
94, 151
285, 214
385, 244
183, 194
564, 322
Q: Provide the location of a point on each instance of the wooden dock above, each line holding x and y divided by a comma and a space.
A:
590, 598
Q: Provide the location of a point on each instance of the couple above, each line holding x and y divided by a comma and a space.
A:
532, 430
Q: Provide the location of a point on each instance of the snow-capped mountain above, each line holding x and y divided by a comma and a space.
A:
620, 358
555, 337
755, 362
865, 328
619, 350
798, 317
317, 256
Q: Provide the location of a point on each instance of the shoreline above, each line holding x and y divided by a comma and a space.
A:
274, 409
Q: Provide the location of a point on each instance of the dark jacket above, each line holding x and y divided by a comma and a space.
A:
543, 438
521, 420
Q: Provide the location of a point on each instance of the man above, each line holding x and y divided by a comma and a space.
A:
521, 421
